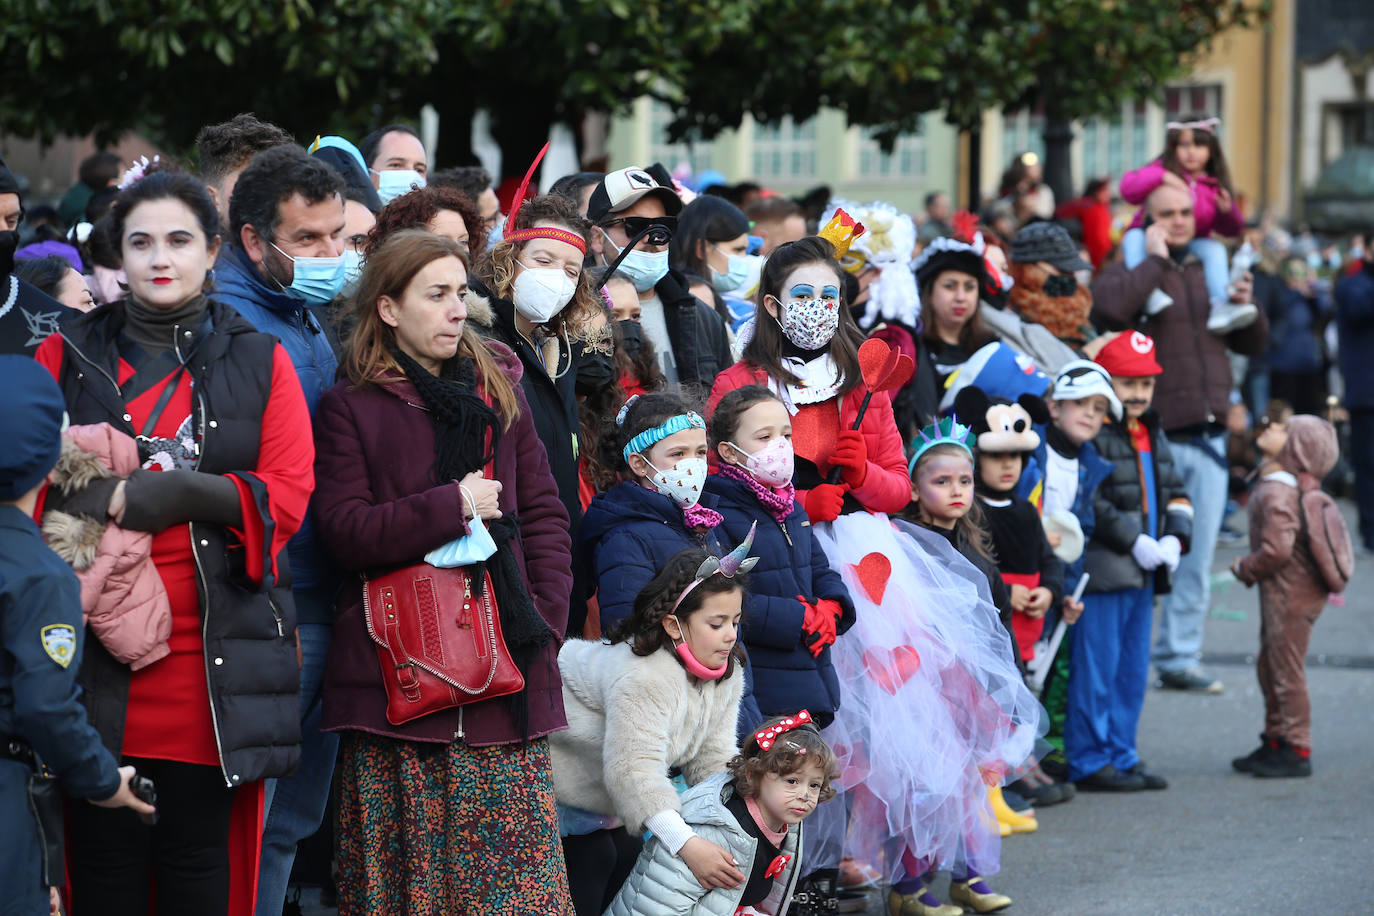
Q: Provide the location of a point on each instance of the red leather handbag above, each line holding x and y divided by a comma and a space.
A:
439, 644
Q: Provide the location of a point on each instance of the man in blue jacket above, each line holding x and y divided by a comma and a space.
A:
42, 722
285, 255
1355, 322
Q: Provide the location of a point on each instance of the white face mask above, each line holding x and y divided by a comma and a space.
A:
540, 293
392, 183
682, 482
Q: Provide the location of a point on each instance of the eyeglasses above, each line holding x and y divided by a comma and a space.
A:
634, 225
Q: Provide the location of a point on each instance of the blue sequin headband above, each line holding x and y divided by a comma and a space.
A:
650, 437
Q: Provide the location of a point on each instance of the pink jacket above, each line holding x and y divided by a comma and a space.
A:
122, 596
1137, 185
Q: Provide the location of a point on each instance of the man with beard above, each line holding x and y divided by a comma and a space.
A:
1044, 261
27, 316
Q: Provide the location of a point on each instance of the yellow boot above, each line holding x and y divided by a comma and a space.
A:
1018, 823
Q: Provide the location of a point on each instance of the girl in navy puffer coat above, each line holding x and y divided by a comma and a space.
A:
797, 604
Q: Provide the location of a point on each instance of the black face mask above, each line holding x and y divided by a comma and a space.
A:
631, 337
9, 243
1061, 286
595, 371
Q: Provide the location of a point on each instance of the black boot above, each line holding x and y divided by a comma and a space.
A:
1284, 763
815, 895
1247, 763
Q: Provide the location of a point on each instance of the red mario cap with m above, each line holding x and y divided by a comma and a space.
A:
1130, 354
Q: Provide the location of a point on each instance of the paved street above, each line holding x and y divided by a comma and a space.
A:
1217, 842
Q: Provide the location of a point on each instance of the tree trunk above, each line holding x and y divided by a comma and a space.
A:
455, 133
522, 130
975, 170
1058, 164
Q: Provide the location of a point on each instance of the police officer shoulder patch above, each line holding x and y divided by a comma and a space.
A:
59, 641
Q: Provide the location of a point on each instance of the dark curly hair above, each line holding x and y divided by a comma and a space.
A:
789, 752
273, 177
415, 209
164, 185
643, 629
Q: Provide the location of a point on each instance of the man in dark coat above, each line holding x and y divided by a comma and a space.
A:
1355, 321
27, 315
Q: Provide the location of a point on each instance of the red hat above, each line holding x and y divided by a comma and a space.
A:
1130, 354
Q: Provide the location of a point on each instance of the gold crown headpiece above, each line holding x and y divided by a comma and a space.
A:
842, 231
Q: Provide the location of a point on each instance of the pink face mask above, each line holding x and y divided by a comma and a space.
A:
773, 464
695, 668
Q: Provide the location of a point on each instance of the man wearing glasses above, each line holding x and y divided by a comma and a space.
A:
688, 335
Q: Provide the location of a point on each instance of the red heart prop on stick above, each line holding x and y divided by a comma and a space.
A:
873, 572
890, 669
883, 366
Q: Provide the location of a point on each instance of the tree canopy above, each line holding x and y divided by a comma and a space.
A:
316, 66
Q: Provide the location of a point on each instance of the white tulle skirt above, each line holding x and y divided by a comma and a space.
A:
933, 708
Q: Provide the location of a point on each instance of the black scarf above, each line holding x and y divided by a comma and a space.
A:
461, 422
1055, 439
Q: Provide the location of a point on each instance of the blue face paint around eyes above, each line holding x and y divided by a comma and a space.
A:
830, 292
802, 291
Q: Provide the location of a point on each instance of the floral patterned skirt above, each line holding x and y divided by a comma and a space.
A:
448, 830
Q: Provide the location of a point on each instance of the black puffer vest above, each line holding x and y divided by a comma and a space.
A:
249, 631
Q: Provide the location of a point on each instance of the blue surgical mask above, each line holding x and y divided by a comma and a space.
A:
497, 232
736, 272
353, 270
318, 280
392, 183
644, 268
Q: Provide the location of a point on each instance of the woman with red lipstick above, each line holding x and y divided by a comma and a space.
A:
951, 276
223, 437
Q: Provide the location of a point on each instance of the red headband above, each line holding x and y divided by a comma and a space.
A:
766, 737
547, 232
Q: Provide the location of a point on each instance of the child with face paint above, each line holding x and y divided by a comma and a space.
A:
804, 347
797, 604
662, 692
934, 707
755, 809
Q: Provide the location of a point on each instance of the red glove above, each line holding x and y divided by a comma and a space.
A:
851, 453
820, 622
824, 501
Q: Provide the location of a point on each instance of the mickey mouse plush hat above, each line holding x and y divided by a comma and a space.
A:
1001, 425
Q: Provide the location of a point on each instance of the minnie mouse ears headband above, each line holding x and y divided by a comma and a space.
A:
768, 736
734, 562
538, 232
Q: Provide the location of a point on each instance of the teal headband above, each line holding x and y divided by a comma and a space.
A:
651, 437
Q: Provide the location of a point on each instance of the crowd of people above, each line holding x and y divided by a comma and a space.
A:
575, 550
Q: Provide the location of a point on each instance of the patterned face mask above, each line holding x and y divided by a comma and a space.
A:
682, 482
810, 323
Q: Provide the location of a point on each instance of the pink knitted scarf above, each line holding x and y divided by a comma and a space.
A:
779, 502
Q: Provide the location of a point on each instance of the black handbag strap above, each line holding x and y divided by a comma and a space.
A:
163, 399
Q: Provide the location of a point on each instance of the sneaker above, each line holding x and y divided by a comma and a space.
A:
1153, 781
1228, 316
1247, 763
1284, 762
1158, 302
1055, 765
1231, 538
1191, 680
1110, 779
1040, 790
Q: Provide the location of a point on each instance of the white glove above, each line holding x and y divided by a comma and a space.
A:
1147, 553
1172, 550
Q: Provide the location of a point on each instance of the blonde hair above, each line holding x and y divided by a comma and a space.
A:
367, 357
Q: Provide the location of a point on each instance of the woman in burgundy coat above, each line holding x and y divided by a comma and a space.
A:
452, 812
